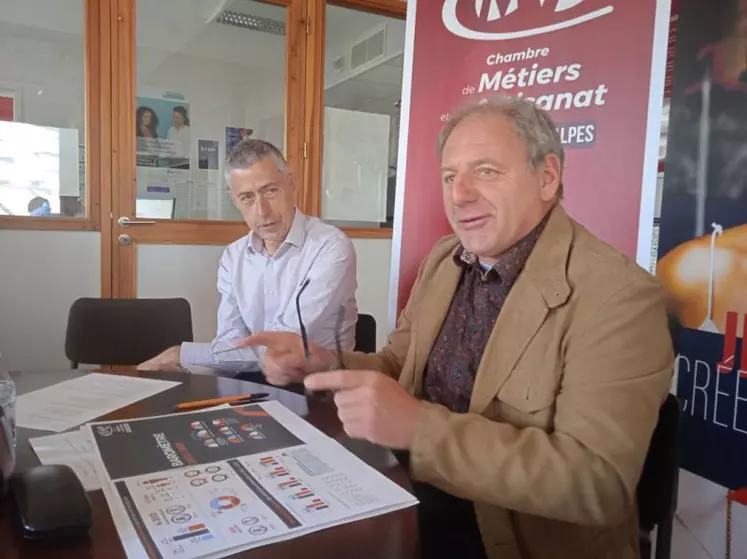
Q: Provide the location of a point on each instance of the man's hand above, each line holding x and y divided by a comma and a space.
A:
284, 360
169, 360
371, 406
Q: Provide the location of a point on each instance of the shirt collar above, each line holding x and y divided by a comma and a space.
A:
296, 235
511, 262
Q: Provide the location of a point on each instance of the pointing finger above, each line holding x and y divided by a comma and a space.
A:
335, 380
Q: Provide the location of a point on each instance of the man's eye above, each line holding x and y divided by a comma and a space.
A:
485, 172
448, 179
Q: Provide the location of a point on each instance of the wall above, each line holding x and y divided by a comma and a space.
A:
356, 165
347, 27
41, 274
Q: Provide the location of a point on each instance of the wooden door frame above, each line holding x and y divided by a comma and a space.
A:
314, 125
119, 277
96, 72
304, 110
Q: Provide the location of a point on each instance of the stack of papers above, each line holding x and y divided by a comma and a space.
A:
71, 403
74, 449
220, 481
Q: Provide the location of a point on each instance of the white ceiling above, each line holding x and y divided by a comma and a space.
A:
374, 91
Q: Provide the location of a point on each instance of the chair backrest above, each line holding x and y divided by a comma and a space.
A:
657, 488
365, 334
125, 331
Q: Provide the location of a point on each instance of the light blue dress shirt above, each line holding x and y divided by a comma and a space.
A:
258, 291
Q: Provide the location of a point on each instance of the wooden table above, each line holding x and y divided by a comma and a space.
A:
390, 536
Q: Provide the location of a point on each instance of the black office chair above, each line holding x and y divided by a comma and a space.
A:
125, 331
365, 334
657, 489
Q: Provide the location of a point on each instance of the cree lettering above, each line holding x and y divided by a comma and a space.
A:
737, 399
715, 400
702, 388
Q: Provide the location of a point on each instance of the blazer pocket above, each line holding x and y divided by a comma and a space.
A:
525, 401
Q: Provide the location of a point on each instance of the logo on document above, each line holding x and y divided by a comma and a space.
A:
496, 20
105, 430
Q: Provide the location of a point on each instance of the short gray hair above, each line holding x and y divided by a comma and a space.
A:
533, 125
250, 151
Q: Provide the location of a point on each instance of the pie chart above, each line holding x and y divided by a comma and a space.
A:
225, 503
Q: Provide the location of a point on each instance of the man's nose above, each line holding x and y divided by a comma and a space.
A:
463, 190
263, 206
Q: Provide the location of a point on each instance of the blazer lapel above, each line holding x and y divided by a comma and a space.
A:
433, 308
541, 286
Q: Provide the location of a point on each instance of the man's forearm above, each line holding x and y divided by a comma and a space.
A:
201, 354
196, 353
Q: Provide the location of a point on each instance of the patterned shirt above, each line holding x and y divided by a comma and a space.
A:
452, 364
448, 521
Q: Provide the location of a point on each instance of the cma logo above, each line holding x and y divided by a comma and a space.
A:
561, 16
105, 430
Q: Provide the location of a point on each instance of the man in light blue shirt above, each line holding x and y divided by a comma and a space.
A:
260, 275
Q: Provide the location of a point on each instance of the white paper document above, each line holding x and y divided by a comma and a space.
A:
217, 482
74, 449
74, 402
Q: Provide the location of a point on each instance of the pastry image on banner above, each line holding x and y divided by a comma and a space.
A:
702, 254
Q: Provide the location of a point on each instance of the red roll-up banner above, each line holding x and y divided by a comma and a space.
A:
597, 65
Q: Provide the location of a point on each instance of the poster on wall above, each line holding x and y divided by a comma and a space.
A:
207, 154
162, 128
549, 52
235, 135
703, 235
7, 108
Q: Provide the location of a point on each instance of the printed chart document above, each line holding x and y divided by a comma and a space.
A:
74, 402
74, 449
213, 483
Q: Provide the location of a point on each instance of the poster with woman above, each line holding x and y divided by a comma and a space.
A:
163, 132
703, 235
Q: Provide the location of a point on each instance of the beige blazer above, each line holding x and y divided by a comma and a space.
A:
565, 400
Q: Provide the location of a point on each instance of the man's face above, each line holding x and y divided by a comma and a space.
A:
492, 196
265, 196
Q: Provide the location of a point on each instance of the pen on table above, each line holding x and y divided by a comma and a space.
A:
218, 401
255, 400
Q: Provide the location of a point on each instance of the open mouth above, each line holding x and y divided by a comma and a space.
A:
470, 223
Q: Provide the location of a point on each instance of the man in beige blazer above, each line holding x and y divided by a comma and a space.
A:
527, 370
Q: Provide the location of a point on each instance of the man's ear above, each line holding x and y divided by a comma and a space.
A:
550, 176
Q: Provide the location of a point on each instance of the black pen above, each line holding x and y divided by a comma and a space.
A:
253, 400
